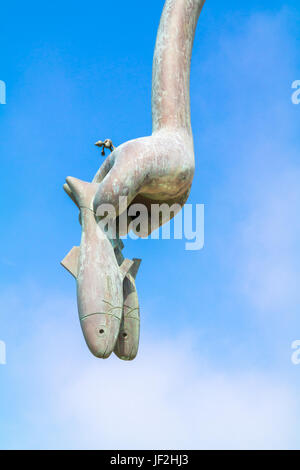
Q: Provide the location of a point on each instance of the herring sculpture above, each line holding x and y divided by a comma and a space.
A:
156, 169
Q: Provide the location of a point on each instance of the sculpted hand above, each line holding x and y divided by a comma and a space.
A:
150, 170
159, 168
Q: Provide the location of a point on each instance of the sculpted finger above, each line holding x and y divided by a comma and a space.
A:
68, 190
120, 185
104, 168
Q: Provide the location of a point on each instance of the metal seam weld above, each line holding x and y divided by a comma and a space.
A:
99, 313
84, 207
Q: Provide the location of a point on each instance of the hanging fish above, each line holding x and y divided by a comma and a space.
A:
127, 344
98, 275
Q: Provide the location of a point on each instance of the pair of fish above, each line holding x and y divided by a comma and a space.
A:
106, 294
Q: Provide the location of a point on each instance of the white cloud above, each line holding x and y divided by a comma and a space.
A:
166, 401
169, 397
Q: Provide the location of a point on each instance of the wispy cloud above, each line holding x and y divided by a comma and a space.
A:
169, 397
168, 400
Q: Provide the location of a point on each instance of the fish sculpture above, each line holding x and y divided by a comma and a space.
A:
127, 345
99, 277
156, 169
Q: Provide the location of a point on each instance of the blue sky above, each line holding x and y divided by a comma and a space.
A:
214, 368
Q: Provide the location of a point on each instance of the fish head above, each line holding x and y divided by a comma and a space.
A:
100, 331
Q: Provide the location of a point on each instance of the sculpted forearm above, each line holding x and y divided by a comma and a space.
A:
171, 64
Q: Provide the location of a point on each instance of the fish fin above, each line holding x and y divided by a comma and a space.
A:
67, 189
125, 266
119, 256
70, 261
135, 267
82, 191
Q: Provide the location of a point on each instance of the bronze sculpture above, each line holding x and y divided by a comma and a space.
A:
149, 170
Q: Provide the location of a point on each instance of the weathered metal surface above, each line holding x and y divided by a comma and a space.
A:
99, 277
159, 168
153, 169
106, 144
127, 345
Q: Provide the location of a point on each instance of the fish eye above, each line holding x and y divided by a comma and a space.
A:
124, 334
101, 331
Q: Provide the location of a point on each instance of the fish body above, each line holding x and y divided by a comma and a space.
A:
98, 275
127, 344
